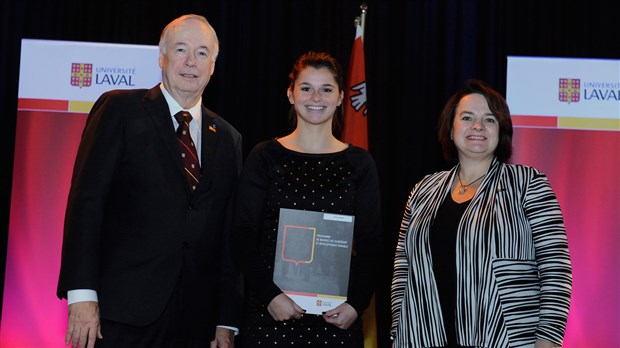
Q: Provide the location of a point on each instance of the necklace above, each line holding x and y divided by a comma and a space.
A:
463, 188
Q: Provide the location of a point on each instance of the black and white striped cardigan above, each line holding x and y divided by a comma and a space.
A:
514, 272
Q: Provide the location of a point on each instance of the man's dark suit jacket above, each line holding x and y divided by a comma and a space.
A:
134, 230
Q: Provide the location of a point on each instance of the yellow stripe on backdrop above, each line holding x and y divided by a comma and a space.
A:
370, 325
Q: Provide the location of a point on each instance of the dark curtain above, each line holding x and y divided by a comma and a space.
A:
417, 53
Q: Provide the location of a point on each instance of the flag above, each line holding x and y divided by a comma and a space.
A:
355, 129
355, 132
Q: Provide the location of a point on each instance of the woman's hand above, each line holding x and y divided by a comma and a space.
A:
545, 344
283, 308
342, 316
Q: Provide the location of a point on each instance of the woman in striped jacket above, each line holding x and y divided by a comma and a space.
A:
482, 257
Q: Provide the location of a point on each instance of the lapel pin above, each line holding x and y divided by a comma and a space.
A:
212, 128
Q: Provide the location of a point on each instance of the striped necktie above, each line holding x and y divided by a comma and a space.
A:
188, 149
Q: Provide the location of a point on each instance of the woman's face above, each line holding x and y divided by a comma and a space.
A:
475, 130
315, 96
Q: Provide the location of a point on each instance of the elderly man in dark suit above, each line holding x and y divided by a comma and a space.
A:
145, 257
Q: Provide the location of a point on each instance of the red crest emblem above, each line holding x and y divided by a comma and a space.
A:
81, 74
570, 90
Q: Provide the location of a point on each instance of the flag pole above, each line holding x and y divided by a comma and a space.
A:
369, 316
362, 17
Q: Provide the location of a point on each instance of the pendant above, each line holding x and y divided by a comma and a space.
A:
462, 190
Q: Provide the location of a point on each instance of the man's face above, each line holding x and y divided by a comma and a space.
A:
187, 60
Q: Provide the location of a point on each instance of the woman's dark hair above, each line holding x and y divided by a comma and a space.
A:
318, 60
497, 105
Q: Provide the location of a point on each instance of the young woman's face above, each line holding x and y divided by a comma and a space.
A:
315, 96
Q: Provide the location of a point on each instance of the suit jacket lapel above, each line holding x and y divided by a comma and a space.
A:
157, 108
210, 142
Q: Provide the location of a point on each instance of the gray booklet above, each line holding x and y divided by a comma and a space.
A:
313, 258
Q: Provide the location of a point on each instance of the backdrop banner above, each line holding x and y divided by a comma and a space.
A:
59, 82
566, 113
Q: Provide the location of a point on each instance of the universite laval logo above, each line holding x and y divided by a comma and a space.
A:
569, 90
81, 74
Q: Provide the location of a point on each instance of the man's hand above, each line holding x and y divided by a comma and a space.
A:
83, 327
224, 338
